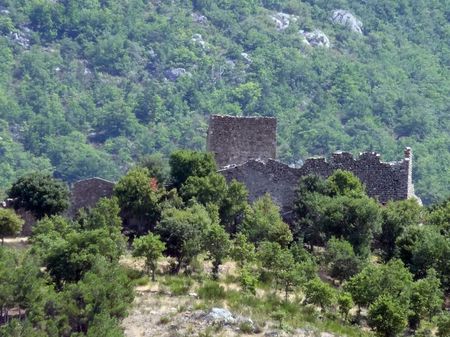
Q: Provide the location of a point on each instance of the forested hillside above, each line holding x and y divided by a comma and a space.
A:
87, 87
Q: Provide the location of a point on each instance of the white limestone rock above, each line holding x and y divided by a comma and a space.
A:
283, 20
345, 18
316, 38
175, 73
199, 18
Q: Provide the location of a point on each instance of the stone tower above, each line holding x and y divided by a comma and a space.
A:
236, 140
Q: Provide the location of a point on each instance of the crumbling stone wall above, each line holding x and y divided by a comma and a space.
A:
28, 217
235, 140
383, 181
86, 193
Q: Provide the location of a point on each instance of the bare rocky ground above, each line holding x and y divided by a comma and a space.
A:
158, 314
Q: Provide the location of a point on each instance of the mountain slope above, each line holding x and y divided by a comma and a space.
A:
88, 87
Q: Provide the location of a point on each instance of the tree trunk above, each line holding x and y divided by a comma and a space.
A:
153, 275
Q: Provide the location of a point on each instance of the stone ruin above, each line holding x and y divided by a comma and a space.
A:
232, 140
86, 193
236, 140
245, 150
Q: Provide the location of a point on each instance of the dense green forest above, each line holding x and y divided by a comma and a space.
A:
87, 87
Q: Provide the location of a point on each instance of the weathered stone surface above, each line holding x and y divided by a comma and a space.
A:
199, 18
27, 216
86, 193
220, 316
175, 73
283, 20
235, 140
347, 19
383, 181
316, 38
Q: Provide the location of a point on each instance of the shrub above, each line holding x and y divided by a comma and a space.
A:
211, 290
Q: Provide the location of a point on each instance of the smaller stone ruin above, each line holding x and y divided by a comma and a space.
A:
86, 193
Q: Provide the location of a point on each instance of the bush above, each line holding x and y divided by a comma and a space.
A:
211, 290
178, 285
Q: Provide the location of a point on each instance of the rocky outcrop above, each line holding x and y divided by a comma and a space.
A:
282, 20
175, 73
198, 39
316, 38
345, 18
199, 18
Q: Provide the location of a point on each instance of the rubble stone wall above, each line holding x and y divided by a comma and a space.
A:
86, 193
383, 181
235, 140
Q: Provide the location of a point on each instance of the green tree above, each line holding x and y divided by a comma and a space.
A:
182, 230
139, 198
319, 293
345, 303
279, 262
391, 279
262, 222
10, 223
40, 194
396, 216
184, 163
345, 183
151, 248
157, 166
242, 251
217, 243
341, 259
427, 298
387, 316
443, 325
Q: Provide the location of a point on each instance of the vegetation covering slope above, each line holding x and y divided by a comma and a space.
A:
87, 87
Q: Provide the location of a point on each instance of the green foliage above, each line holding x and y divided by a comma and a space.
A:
102, 70
387, 316
184, 164
439, 216
341, 259
345, 183
182, 230
211, 291
443, 325
426, 298
336, 207
262, 221
283, 267
10, 223
345, 303
242, 251
178, 285
424, 247
217, 243
248, 279
40, 194
139, 198
391, 279
319, 293
151, 248
397, 216
157, 167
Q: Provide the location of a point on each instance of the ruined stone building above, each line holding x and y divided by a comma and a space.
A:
245, 150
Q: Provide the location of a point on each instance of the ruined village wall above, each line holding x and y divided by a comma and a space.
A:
235, 140
383, 181
86, 193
